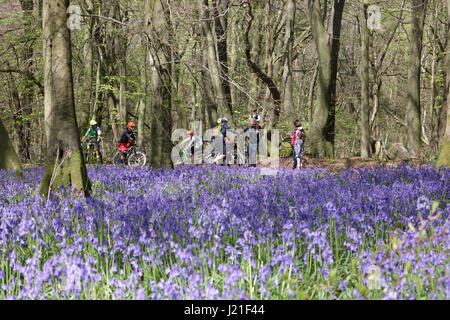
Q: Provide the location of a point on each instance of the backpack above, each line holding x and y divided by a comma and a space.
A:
302, 136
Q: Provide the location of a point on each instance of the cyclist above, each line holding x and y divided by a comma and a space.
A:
94, 134
127, 139
194, 143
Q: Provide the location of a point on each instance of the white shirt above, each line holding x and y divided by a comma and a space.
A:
193, 140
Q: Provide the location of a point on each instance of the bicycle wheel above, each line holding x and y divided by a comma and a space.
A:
137, 159
88, 157
99, 158
117, 159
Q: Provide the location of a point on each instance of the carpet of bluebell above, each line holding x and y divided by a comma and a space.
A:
228, 233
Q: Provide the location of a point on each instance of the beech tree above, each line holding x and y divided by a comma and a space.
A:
322, 128
364, 74
444, 157
65, 161
8, 156
413, 112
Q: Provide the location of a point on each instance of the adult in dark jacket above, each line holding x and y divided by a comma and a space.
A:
225, 128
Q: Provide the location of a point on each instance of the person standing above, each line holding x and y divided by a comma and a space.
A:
254, 130
299, 133
226, 142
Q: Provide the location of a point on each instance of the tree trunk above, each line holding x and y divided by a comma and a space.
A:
444, 157
122, 57
65, 162
253, 81
143, 100
160, 53
264, 77
209, 104
322, 128
268, 58
413, 112
8, 156
27, 84
311, 92
220, 9
213, 65
439, 87
287, 97
233, 61
338, 9
16, 105
364, 74
320, 147
85, 109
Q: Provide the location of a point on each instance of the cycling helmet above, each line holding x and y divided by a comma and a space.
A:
225, 119
130, 125
93, 122
191, 132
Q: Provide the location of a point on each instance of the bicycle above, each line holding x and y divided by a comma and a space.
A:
92, 155
186, 157
133, 158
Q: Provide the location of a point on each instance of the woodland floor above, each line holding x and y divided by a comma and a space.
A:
338, 164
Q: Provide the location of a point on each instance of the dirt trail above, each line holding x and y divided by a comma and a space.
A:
336, 165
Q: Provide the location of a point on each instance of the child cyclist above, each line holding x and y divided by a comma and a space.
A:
193, 144
127, 139
94, 134
299, 134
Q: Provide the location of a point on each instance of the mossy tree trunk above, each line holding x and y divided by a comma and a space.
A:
160, 55
8, 156
65, 162
444, 157
322, 128
413, 112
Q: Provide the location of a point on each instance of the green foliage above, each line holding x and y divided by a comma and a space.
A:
285, 149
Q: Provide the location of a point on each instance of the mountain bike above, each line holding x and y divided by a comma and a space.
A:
186, 157
92, 155
133, 158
